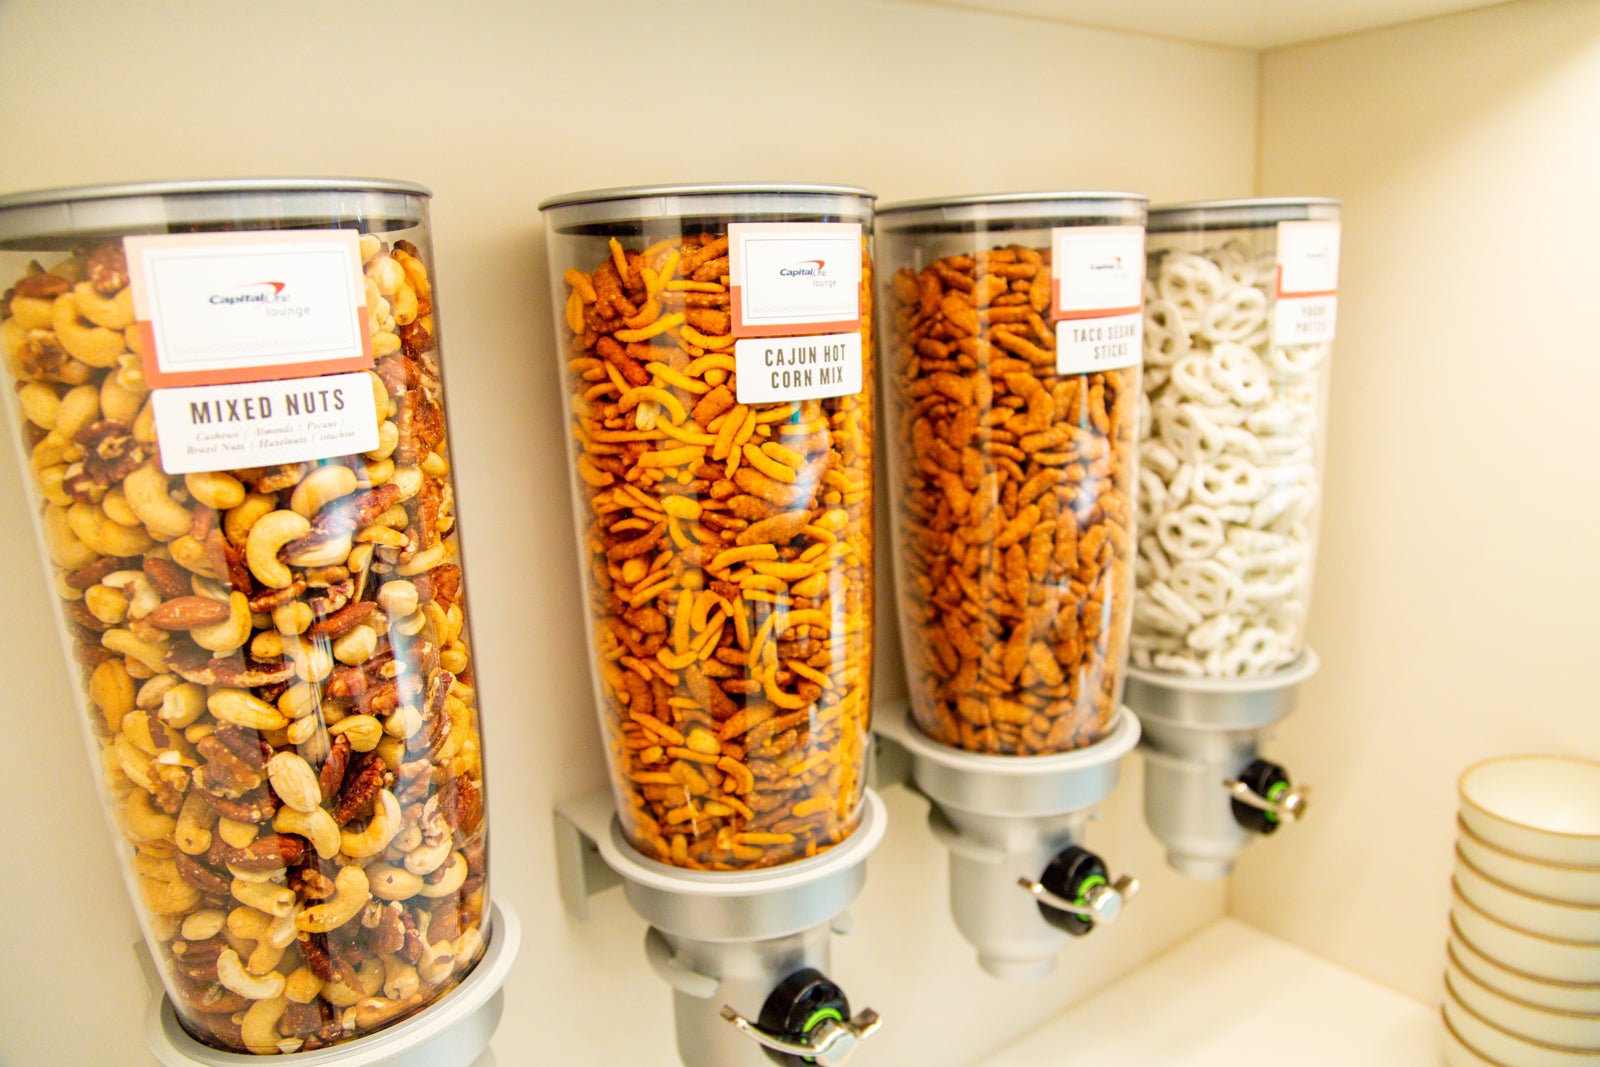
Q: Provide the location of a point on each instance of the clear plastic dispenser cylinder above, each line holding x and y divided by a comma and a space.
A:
227, 402
1010, 357
715, 352
1239, 324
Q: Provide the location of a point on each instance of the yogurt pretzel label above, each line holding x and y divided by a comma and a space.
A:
1307, 283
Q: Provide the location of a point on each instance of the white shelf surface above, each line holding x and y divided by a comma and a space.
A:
1233, 995
1241, 23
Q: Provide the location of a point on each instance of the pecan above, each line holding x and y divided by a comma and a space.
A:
412, 781
421, 425
42, 357
210, 1004
199, 876
346, 683
314, 951
269, 852
331, 776
461, 803
187, 612
304, 1020
107, 269
360, 787
415, 338
430, 509
280, 477
43, 286
227, 560
443, 584
257, 807
110, 453
309, 883
386, 932
445, 925
232, 672
197, 960
268, 601
344, 620
411, 950
333, 597
225, 773
169, 579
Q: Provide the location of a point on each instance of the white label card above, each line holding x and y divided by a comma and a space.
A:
775, 370
1099, 270
1304, 320
257, 304
1084, 346
794, 274
1308, 258
259, 424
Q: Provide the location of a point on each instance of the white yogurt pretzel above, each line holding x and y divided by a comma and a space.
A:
1228, 475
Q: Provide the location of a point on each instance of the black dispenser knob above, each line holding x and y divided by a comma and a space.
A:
806, 1020
1268, 782
1076, 892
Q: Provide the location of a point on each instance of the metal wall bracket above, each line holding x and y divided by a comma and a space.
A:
582, 871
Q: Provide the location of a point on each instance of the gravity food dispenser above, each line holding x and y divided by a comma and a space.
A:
1010, 358
1239, 321
229, 403
716, 358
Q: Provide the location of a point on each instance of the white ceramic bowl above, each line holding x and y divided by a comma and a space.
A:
1456, 1051
1553, 996
1565, 922
1553, 881
1567, 1029
1505, 1048
1544, 808
1519, 950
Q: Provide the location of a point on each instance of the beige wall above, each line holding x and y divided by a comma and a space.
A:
497, 106
1456, 608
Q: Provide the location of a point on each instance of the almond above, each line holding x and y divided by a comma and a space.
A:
187, 612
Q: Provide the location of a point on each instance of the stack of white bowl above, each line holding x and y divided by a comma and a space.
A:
1523, 978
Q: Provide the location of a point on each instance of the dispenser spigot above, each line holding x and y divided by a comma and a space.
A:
806, 1020
1264, 799
1076, 894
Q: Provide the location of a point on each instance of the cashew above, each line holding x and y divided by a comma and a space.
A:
295, 782
399, 978
203, 924
107, 605
175, 897
192, 834
409, 481
425, 560
266, 539
218, 490
300, 700
393, 883
435, 466
259, 1027
315, 826
112, 312
236, 834
412, 624
292, 618
379, 831
226, 637
115, 505
153, 692
237, 521
233, 976
438, 960
369, 979
386, 273
388, 440
190, 554
40, 404
49, 482
79, 408
142, 596
66, 551
454, 876
325, 554
164, 517
350, 894
468, 944
302, 985
392, 750
182, 705
242, 708
96, 530
94, 345
322, 486
426, 858
362, 731
112, 692
118, 402
141, 822
144, 425
312, 660
125, 643
355, 647
377, 473
276, 900
403, 722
